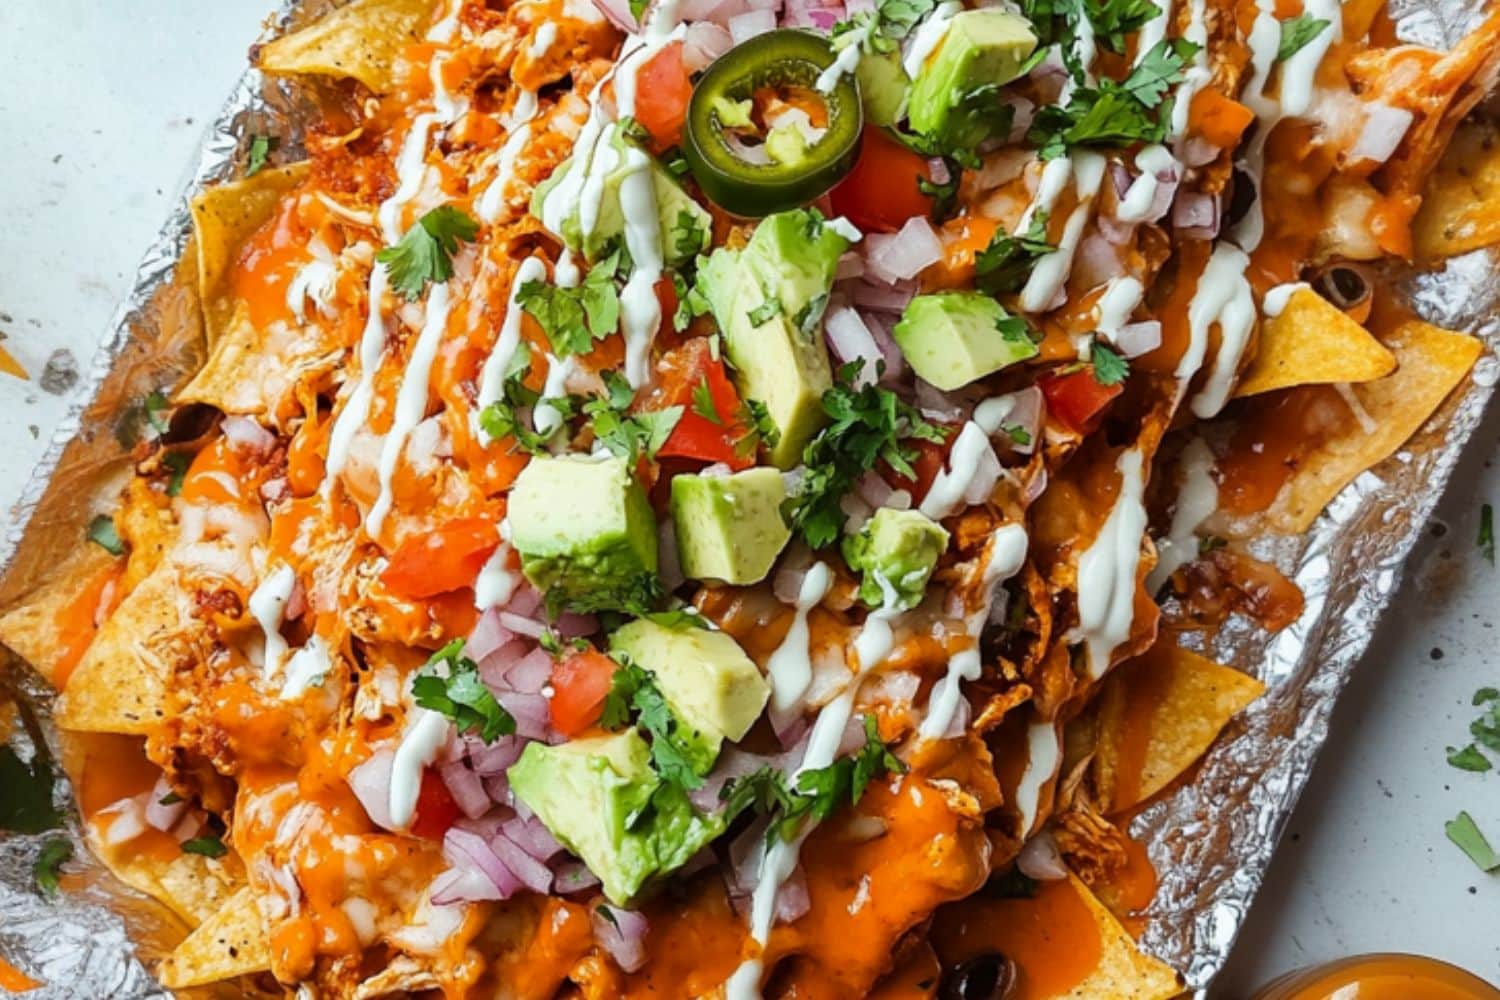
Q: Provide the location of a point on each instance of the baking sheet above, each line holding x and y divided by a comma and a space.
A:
1211, 841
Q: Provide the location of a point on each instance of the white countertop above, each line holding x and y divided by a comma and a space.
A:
102, 107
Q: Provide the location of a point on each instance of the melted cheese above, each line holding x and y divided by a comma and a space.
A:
268, 606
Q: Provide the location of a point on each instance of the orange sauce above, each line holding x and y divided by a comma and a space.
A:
77, 621
1381, 977
115, 768
1052, 937
695, 944
564, 934
267, 264
1276, 433
1129, 889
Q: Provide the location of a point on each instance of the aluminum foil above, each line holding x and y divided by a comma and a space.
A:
1211, 841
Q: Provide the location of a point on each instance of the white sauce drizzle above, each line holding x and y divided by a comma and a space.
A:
1107, 568
493, 200
845, 63
946, 495
1152, 162
371, 347
1366, 422
640, 310
268, 606
1051, 272
544, 417
411, 401
790, 667
307, 668
1044, 752
1222, 298
540, 45
426, 734
1275, 301
1121, 296
1197, 498
449, 107
496, 582
409, 169
1196, 75
928, 36
314, 280
492, 375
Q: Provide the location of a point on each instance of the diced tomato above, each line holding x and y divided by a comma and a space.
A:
1077, 399
580, 683
662, 91
696, 436
436, 810
881, 192
1219, 119
927, 464
442, 560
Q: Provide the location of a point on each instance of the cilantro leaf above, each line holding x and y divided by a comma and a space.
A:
44, 871
868, 425
1486, 539
176, 463
1116, 113
944, 194
461, 696
1112, 20
688, 236
260, 148
101, 532
156, 408
573, 318
703, 403
757, 416
506, 416
1486, 728
1297, 33
1018, 435
634, 689
1006, 263
208, 846
1109, 367
1468, 759
1465, 833
678, 617
1485, 694
426, 252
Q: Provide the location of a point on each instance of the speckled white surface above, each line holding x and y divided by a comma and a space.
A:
102, 106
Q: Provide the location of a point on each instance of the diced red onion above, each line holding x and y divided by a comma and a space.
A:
1036, 486
787, 584
935, 405
1120, 177
497, 663
879, 325
530, 673
467, 789
1135, 339
533, 874
488, 636
618, 13
850, 340
572, 625
532, 836
188, 827
733, 763
1198, 151
1026, 414
745, 854
1384, 128
469, 851
128, 820
1001, 168
937, 170
573, 876
1112, 229
986, 474
958, 722
800, 15
1041, 860
743, 27
792, 899
1196, 214
1023, 113
530, 712
463, 885
497, 786
163, 817
623, 934
524, 601
711, 10
852, 7
902, 256
874, 490
522, 625
499, 755
1096, 262
244, 434
704, 42
851, 265
790, 725
370, 781
296, 602
883, 298
891, 687
668, 561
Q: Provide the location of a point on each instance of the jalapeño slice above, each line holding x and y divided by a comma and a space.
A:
751, 174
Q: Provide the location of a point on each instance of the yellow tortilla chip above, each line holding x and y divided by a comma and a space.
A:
1430, 364
37, 627
256, 372
1312, 342
360, 40
224, 217
1461, 207
1158, 714
120, 684
230, 943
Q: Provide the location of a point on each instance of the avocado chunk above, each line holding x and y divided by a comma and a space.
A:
708, 682
768, 299
902, 548
600, 798
883, 86
953, 338
729, 528
585, 532
981, 49
685, 225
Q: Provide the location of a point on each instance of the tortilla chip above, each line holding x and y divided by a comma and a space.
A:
1461, 207
1430, 364
1313, 342
254, 372
360, 40
1158, 714
190, 885
120, 684
37, 627
224, 217
230, 943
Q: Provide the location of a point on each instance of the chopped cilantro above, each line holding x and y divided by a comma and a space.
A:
763, 313
1465, 833
169, 799
703, 403
505, 417
573, 318
461, 696
1468, 759
759, 427
633, 688
176, 463
1211, 543
689, 616
1298, 32
883, 29
260, 148
1109, 367
868, 425
1112, 20
426, 252
102, 533
944, 195
1115, 113
1006, 263
638, 9
811, 314
1017, 434
156, 408
208, 846
632, 129
688, 236
629, 435
1486, 728
1486, 539
1485, 694
44, 871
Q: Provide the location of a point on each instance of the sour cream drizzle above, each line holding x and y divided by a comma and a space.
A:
497, 582
268, 607
1222, 298
426, 733
1044, 753
946, 495
1153, 161
1051, 272
1107, 568
928, 36
790, 667
307, 668
371, 348
1275, 301
411, 401
1197, 498
492, 375
410, 166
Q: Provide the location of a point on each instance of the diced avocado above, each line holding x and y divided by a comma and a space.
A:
729, 528
585, 532
768, 299
900, 546
600, 798
883, 86
952, 338
706, 678
618, 157
982, 48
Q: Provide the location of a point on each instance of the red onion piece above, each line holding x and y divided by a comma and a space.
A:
245, 435
851, 265
622, 933
1196, 215
1026, 414
792, 899
879, 325
1041, 860
1384, 128
187, 828
745, 854
874, 490
463, 885
1096, 262
497, 786
711, 10
959, 723
531, 673
530, 712
499, 755
743, 27
525, 601
1112, 229
571, 625
163, 817
618, 13
573, 876
1023, 113
986, 474
522, 625
1199, 152
850, 340
1135, 339
494, 667
467, 789
533, 874
935, 405
488, 636
370, 781
882, 298
532, 836
468, 851
902, 256
704, 42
